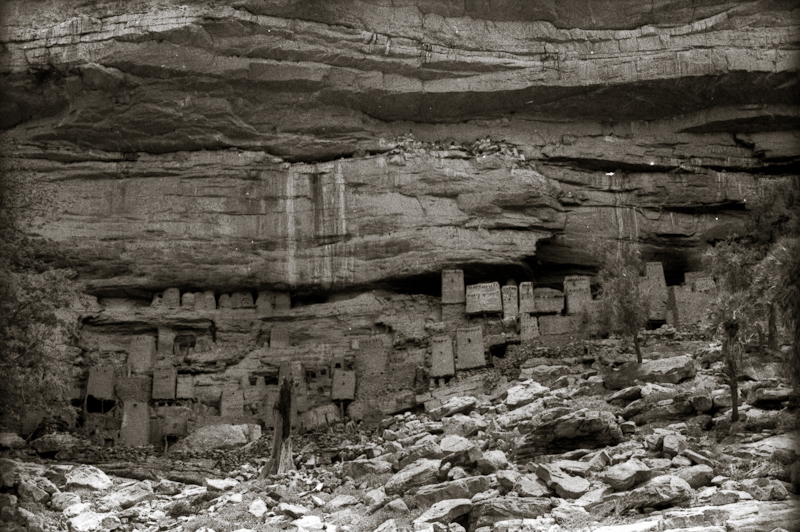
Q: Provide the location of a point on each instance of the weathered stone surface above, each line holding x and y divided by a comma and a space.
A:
626, 475
128, 496
673, 445
660, 492
87, 477
566, 486
11, 440
220, 484
63, 500
525, 393
89, 521
488, 512
426, 448
30, 492
667, 370
59, 441
455, 405
417, 474
492, 461
768, 397
311, 109
697, 476
463, 488
215, 437
358, 468
461, 425
764, 489
580, 429
444, 511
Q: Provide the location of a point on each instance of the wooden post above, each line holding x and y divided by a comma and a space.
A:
281, 460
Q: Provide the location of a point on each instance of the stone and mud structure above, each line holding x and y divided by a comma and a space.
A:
399, 206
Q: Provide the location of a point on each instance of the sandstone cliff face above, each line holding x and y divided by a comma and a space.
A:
172, 133
324, 148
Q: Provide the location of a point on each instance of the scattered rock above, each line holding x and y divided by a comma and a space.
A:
660, 492
764, 489
128, 496
624, 476
456, 405
218, 437
582, 429
398, 506
419, 473
464, 488
87, 477
697, 476
11, 440
258, 507
220, 484
525, 393
487, 512
62, 500
294, 511
492, 461
445, 511
565, 486
359, 468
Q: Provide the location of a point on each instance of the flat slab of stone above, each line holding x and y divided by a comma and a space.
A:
419, 473
666, 370
463, 488
490, 511
566, 486
444, 511
624, 476
582, 429
87, 477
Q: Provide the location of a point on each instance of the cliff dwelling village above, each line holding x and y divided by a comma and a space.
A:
399, 266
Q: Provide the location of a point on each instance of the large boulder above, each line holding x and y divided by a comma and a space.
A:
86, 477
582, 429
64, 499
672, 370
359, 468
463, 488
58, 441
626, 475
419, 473
764, 489
455, 405
492, 461
444, 512
217, 437
453, 443
462, 425
566, 486
490, 511
517, 417
425, 448
128, 496
525, 485
525, 393
660, 492
11, 440
697, 475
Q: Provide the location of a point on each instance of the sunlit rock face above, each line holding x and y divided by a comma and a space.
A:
265, 144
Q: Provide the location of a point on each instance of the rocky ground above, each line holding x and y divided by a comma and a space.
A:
580, 443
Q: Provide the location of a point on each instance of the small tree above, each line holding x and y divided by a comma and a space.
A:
777, 280
35, 358
728, 318
624, 307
